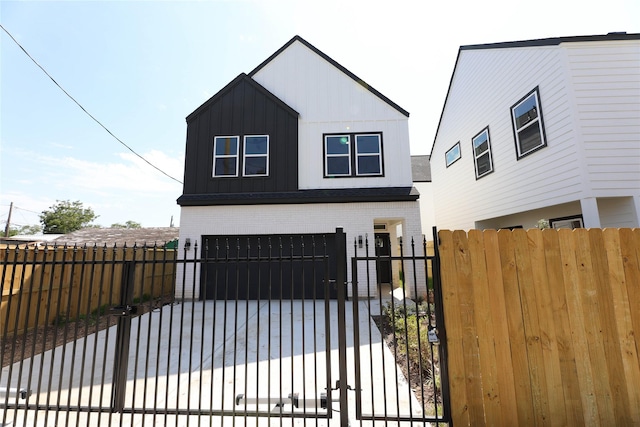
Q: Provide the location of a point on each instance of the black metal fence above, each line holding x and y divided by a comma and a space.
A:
324, 352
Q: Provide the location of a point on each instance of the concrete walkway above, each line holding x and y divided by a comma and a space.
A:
202, 355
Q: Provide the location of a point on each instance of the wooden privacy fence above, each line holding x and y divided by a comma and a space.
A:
42, 285
542, 326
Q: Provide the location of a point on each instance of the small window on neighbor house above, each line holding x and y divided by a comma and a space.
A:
256, 155
571, 222
337, 150
482, 153
368, 155
225, 155
453, 154
526, 117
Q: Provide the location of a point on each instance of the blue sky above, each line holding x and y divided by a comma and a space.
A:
141, 67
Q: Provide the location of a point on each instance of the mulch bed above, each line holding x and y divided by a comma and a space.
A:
421, 383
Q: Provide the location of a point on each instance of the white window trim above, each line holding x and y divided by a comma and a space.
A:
327, 155
245, 155
537, 121
488, 150
379, 154
226, 156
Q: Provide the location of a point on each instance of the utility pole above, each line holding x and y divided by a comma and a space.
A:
6, 229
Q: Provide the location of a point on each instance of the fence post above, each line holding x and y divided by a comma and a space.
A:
341, 283
123, 335
442, 331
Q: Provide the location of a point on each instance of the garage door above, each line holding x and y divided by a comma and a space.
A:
268, 266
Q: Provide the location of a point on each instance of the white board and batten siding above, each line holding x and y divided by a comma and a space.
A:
330, 101
486, 84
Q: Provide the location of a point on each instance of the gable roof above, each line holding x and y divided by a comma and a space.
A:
335, 64
552, 41
242, 77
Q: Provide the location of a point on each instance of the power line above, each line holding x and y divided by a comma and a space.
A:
83, 109
27, 210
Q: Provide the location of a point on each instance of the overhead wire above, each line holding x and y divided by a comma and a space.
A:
85, 111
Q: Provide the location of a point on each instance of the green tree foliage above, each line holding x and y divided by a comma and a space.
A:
25, 229
66, 216
128, 224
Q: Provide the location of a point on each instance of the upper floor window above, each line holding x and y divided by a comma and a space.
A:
225, 155
364, 159
526, 117
482, 153
453, 154
256, 155
337, 151
368, 155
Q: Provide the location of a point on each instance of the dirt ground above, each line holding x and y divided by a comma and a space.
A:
421, 380
23, 346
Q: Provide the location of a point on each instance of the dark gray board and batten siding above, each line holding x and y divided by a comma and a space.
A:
243, 107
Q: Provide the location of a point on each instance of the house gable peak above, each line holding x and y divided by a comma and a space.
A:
332, 62
242, 77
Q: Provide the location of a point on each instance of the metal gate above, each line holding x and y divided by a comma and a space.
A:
98, 336
401, 336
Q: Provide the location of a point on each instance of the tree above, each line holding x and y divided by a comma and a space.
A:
25, 229
128, 224
65, 217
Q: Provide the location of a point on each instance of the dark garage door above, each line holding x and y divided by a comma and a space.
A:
268, 266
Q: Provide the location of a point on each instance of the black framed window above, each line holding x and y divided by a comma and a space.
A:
337, 155
482, 153
256, 155
225, 156
528, 129
368, 154
453, 154
353, 155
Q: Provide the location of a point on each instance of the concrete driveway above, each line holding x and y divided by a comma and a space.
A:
202, 356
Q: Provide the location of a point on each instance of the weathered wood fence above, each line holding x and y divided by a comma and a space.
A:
41, 285
543, 327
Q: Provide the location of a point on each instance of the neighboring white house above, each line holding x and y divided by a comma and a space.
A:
299, 146
541, 129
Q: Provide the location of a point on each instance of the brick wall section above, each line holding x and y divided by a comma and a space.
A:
355, 218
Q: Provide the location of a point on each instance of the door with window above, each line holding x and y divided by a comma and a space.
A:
383, 255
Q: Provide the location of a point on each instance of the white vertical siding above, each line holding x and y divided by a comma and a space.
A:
328, 102
605, 78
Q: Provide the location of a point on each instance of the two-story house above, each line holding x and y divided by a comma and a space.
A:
543, 129
298, 147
